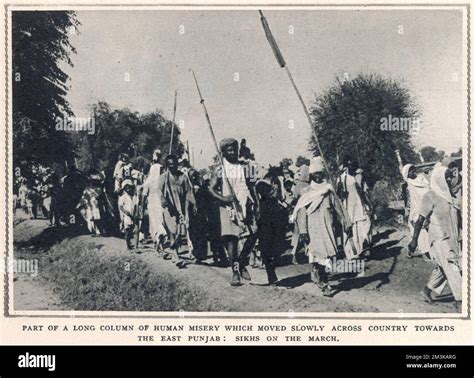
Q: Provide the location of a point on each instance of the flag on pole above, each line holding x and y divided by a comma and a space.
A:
174, 120
281, 62
271, 41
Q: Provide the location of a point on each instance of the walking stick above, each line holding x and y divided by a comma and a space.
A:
174, 119
235, 205
282, 63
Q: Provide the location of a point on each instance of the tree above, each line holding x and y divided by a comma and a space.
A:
348, 119
286, 162
429, 153
458, 153
116, 130
40, 43
301, 160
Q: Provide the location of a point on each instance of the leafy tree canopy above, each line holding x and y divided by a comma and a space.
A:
348, 119
429, 153
458, 153
301, 160
124, 131
286, 162
40, 43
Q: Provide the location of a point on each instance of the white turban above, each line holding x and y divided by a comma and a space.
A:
316, 165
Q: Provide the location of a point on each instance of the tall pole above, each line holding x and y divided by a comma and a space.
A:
174, 120
282, 63
235, 206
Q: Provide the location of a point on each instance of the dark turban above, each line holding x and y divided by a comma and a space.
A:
227, 142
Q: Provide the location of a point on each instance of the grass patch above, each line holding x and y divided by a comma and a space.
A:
88, 279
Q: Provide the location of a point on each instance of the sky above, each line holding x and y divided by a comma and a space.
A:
137, 59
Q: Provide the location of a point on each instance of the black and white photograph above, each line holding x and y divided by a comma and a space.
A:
238, 160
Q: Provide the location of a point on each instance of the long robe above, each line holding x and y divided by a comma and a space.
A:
315, 217
442, 209
89, 206
301, 185
127, 203
235, 175
178, 194
152, 189
358, 215
22, 194
417, 188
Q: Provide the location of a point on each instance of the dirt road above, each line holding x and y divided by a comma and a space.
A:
391, 282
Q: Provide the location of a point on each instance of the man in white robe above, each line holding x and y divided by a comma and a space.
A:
358, 211
314, 214
239, 208
417, 186
151, 189
441, 208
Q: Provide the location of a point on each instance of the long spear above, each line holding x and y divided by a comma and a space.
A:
174, 119
282, 63
235, 205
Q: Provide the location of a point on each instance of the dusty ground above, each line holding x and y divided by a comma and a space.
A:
391, 282
33, 293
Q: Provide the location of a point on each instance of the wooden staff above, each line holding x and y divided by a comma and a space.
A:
282, 63
235, 205
174, 119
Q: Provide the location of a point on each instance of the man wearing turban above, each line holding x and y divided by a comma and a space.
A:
358, 210
239, 206
417, 186
314, 213
155, 210
177, 199
441, 208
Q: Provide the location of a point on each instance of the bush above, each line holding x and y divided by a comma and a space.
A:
384, 193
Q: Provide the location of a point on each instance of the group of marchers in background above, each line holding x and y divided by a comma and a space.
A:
244, 214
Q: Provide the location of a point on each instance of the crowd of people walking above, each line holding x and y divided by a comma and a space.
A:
244, 214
